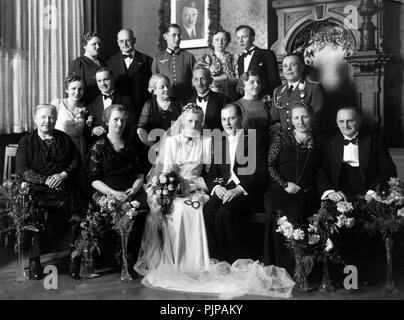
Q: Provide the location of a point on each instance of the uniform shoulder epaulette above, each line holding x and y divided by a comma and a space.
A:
312, 81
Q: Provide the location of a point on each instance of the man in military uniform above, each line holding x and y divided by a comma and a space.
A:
296, 88
174, 63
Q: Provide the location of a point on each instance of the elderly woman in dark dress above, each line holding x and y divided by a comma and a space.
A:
113, 168
293, 161
157, 113
86, 65
48, 159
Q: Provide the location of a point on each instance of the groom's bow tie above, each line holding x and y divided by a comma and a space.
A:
204, 98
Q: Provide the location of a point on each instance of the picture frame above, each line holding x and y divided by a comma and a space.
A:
201, 16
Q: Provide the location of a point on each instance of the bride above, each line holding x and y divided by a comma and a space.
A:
174, 253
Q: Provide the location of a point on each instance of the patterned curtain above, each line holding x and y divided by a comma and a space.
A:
38, 39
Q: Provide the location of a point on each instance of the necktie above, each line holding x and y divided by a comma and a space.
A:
290, 90
127, 56
107, 96
347, 141
204, 98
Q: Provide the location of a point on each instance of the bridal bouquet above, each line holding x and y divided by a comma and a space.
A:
328, 220
383, 213
162, 189
297, 242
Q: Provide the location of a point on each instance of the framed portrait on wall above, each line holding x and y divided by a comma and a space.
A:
192, 16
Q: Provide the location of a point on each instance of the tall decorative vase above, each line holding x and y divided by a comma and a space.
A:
389, 286
21, 274
87, 270
300, 273
125, 275
326, 284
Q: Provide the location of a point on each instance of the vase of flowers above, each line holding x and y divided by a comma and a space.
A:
17, 207
87, 242
328, 220
121, 212
21, 274
296, 241
383, 213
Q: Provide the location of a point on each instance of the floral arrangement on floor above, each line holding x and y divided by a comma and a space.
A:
18, 213
161, 190
121, 212
298, 242
322, 226
16, 208
383, 213
91, 229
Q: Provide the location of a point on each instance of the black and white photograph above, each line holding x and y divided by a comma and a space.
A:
192, 17
191, 156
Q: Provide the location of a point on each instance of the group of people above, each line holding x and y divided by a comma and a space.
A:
239, 139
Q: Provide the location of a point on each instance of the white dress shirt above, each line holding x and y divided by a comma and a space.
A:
351, 152
128, 61
247, 59
107, 101
294, 84
191, 32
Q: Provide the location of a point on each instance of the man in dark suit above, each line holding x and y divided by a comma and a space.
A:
132, 70
296, 89
193, 29
233, 184
355, 163
261, 60
97, 128
210, 102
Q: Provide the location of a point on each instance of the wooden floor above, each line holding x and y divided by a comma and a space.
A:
109, 287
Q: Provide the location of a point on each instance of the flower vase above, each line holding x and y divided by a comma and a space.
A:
300, 274
326, 284
125, 275
87, 264
21, 274
389, 287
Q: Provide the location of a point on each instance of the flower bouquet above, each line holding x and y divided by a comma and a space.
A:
17, 211
328, 220
383, 213
161, 191
297, 242
87, 241
121, 212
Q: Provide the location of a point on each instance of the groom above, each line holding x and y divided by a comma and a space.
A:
233, 186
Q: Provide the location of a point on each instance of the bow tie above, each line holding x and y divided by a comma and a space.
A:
127, 56
107, 96
248, 53
204, 98
353, 141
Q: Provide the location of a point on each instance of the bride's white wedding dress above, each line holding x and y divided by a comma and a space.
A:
174, 253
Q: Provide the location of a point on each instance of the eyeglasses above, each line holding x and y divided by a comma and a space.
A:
193, 204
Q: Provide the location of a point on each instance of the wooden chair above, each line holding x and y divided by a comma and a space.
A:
263, 218
9, 170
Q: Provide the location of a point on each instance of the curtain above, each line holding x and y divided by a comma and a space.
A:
38, 39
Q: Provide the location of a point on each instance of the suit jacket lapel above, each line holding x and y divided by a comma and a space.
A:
254, 59
337, 147
364, 154
136, 65
240, 64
